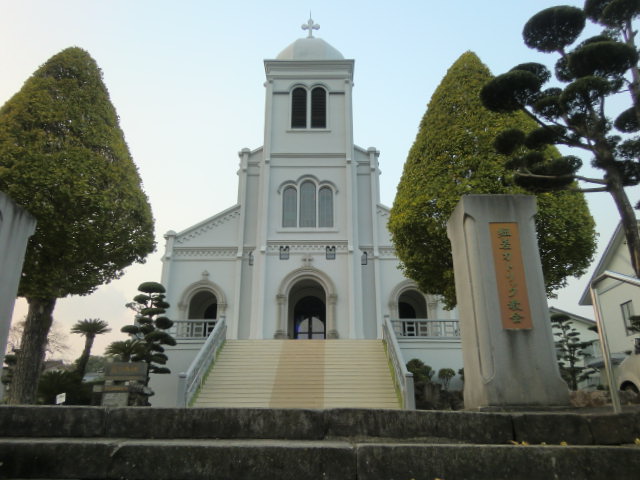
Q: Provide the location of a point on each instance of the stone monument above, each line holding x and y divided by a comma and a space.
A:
507, 344
16, 226
124, 384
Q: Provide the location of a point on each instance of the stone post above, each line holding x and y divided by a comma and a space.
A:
507, 344
16, 226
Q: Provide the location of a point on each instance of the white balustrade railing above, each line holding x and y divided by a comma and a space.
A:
426, 328
402, 377
190, 381
192, 329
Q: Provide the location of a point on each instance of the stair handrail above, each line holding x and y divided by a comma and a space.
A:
191, 380
403, 378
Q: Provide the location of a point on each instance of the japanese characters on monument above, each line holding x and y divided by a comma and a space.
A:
512, 287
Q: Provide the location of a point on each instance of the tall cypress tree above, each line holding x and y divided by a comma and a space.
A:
453, 155
64, 158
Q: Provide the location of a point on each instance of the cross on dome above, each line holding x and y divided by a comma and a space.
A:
311, 26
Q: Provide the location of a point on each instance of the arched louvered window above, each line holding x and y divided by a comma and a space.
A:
308, 204
325, 207
289, 207
299, 108
318, 108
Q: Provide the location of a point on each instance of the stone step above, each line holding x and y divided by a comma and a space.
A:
315, 424
192, 459
341, 444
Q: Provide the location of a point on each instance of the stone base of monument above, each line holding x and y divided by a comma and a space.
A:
124, 385
507, 344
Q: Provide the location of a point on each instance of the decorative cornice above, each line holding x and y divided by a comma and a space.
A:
308, 156
387, 252
210, 224
382, 211
205, 252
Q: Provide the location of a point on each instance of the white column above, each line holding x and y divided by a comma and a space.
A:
332, 332
281, 332
233, 325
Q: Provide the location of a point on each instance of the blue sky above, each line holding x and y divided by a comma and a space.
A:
187, 81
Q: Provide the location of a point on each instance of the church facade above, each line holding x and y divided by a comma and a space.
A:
305, 252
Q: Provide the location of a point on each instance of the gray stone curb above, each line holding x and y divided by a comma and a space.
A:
296, 460
467, 427
496, 462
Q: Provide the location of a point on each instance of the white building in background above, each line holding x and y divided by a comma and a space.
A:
305, 252
619, 301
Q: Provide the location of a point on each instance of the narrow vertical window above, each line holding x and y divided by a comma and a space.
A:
318, 108
299, 108
627, 313
325, 207
308, 204
289, 207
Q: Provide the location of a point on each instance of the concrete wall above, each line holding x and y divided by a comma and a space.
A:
435, 353
165, 386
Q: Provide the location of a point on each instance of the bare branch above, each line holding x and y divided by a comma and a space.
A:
528, 174
592, 190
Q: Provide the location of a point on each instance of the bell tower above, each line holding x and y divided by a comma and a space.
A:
308, 98
308, 174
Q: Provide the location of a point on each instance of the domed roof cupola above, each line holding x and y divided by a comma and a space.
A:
310, 48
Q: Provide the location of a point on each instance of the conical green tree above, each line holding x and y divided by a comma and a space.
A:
453, 155
64, 158
89, 328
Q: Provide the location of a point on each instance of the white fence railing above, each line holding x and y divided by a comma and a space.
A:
426, 328
403, 378
192, 329
190, 381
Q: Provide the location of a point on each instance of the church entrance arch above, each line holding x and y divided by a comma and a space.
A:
307, 302
308, 318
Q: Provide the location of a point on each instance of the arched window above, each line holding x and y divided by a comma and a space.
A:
203, 305
289, 207
318, 108
412, 304
308, 204
325, 207
309, 110
299, 108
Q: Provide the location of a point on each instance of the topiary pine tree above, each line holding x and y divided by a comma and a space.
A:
453, 155
570, 351
149, 330
445, 375
577, 110
64, 158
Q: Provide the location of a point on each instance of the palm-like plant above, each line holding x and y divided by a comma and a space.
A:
123, 351
89, 328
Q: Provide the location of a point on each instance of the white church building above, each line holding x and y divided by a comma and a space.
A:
305, 252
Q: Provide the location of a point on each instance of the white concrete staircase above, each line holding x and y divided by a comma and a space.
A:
300, 374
